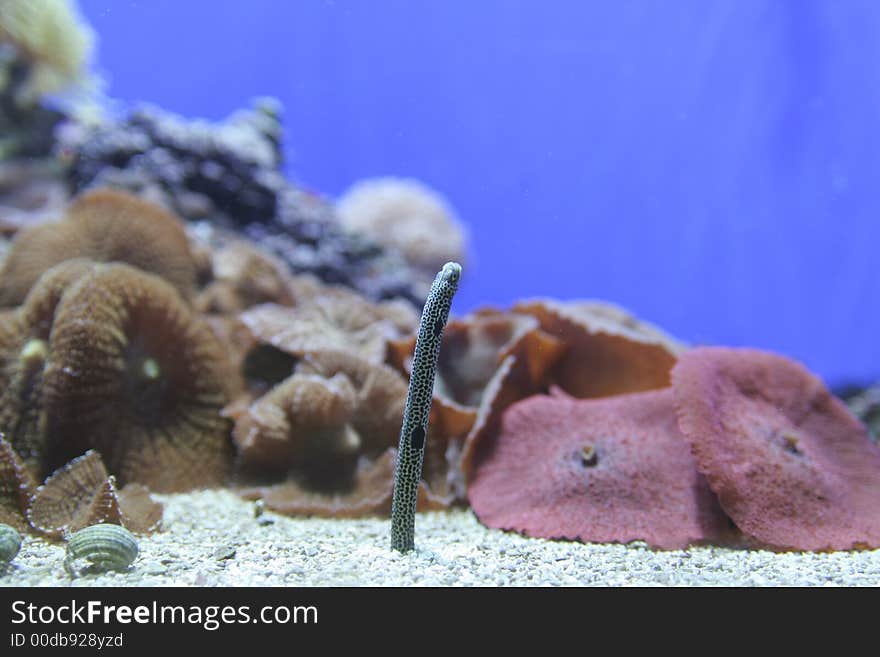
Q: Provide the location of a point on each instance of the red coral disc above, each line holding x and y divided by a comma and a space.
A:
603, 470
789, 463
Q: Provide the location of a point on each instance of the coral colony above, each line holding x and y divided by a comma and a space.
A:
175, 314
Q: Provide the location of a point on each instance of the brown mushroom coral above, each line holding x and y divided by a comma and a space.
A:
368, 493
21, 367
603, 470
139, 378
790, 464
106, 226
16, 488
379, 414
244, 276
336, 320
609, 352
24, 355
304, 417
81, 494
331, 429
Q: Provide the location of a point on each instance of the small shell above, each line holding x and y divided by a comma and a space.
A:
10, 544
100, 548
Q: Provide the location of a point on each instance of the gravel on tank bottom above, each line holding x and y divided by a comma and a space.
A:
212, 538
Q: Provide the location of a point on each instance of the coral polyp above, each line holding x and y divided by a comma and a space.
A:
139, 377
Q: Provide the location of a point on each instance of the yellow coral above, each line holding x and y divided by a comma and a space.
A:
51, 34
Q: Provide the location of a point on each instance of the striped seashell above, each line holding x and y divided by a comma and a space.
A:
100, 548
10, 544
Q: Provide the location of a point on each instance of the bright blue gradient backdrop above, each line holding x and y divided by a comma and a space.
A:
713, 165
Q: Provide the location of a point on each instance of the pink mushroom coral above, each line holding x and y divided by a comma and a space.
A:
603, 470
790, 464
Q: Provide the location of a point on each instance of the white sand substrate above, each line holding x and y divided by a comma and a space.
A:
212, 538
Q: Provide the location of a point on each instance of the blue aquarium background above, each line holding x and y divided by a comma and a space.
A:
712, 165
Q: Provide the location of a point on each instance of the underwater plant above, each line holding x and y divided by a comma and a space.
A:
411, 449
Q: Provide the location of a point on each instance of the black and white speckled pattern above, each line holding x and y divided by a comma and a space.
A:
411, 450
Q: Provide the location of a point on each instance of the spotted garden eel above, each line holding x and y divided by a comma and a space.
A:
411, 450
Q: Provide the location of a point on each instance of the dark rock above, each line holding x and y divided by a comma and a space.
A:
230, 173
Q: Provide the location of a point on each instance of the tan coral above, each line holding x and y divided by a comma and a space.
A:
24, 355
381, 395
17, 488
359, 408
406, 215
488, 360
303, 416
337, 320
105, 226
141, 379
368, 493
474, 346
244, 276
82, 493
609, 352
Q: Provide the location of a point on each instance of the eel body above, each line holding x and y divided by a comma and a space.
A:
411, 449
